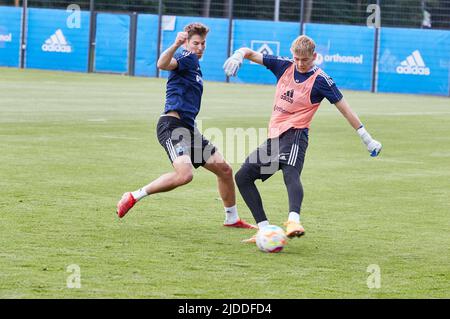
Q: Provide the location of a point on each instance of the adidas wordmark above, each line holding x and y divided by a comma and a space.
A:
57, 43
413, 64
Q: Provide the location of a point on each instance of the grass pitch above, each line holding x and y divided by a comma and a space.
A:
71, 144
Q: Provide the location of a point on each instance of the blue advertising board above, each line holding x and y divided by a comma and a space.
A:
10, 26
55, 42
216, 43
146, 45
345, 53
112, 43
267, 37
414, 61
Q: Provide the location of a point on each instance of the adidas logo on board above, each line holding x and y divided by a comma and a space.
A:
413, 64
57, 43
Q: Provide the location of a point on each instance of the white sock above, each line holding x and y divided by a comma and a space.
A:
231, 215
263, 224
139, 194
294, 216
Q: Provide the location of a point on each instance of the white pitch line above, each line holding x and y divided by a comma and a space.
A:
120, 137
399, 161
440, 154
97, 120
405, 113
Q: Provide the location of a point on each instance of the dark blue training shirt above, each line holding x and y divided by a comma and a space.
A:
323, 87
185, 87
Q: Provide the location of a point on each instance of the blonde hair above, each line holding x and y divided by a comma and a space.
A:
303, 45
196, 28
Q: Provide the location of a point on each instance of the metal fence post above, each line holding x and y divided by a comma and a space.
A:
230, 32
158, 46
132, 44
276, 11
375, 53
92, 33
23, 40
302, 14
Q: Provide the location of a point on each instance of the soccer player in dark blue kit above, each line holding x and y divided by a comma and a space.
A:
186, 147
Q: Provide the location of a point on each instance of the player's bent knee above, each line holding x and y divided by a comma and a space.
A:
242, 176
238, 177
227, 171
184, 178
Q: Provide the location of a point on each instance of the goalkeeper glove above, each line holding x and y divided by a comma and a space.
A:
233, 63
373, 146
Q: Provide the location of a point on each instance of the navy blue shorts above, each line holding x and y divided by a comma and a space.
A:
178, 138
288, 149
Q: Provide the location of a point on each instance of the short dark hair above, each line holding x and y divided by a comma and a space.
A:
196, 28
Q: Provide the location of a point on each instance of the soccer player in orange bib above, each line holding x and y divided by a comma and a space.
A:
301, 86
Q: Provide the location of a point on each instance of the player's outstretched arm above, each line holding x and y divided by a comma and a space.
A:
166, 60
234, 62
373, 146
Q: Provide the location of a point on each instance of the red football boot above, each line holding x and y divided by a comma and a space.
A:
241, 224
125, 204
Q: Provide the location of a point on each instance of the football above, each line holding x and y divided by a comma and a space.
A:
271, 239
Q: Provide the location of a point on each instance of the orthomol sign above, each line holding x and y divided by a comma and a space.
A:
6, 37
337, 58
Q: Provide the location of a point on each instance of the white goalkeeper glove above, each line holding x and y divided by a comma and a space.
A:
233, 63
373, 146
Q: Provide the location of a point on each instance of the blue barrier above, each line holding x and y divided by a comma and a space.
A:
112, 43
146, 45
268, 37
345, 53
10, 26
216, 43
409, 61
53, 43
414, 61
